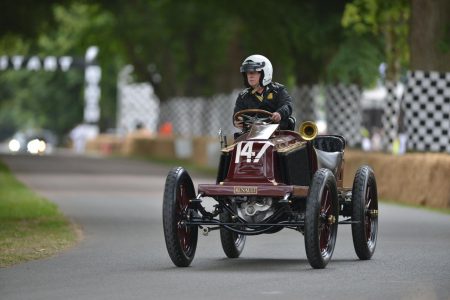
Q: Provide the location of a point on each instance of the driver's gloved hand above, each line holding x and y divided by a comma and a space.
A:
239, 123
276, 117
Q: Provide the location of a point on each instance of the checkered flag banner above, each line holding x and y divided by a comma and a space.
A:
219, 114
427, 111
303, 103
138, 104
343, 112
185, 115
391, 114
200, 116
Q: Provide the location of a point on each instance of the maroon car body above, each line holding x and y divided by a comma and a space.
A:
270, 179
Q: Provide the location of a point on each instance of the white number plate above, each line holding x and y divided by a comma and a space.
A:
245, 149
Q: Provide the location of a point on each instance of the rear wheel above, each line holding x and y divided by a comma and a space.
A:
232, 243
181, 240
321, 219
364, 213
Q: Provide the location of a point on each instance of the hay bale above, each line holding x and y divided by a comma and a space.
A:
206, 151
106, 144
137, 145
414, 178
163, 147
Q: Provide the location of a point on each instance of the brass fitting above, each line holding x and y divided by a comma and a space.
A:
331, 219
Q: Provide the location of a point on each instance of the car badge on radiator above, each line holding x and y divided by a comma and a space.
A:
249, 190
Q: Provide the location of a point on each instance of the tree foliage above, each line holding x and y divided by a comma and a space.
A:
190, 48
54, 100
27, 18
197, 46
356, 62
430, 35
383, 23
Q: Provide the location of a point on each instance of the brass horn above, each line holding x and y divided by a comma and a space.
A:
308, 130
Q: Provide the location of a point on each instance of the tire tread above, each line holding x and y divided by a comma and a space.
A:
174, 249
364, 176
311, 225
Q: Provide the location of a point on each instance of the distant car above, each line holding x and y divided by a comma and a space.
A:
270, 179
33, 141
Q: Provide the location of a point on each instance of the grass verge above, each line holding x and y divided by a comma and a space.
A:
31, 227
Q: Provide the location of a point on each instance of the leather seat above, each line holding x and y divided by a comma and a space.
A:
329, 160
329, 143
291, 123
330, 151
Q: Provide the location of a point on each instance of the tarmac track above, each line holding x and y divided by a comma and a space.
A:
118, 204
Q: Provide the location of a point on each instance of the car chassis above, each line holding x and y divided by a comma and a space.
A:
270, 179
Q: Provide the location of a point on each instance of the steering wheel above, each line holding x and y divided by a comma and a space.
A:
249, 120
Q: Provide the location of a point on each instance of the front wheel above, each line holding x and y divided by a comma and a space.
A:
364, 213
181, 239
321, 219
232, 243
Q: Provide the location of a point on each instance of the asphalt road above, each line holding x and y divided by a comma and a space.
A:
118, 204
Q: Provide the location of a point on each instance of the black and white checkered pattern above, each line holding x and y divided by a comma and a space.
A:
185, 114
304, 104
426, 104
219, 114
343, 112
138, 104
205, 116
200, 116
427, 111
390, 118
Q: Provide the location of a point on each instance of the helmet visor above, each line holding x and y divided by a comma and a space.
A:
251, 66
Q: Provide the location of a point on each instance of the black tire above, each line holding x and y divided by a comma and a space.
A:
364, 213
321, 219
232, 243
181, 240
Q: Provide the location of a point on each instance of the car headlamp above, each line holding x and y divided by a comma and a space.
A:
14, 145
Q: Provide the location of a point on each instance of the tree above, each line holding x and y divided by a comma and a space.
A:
381, 23
27, 18
54, 100
197, 46
184, 48
430, 35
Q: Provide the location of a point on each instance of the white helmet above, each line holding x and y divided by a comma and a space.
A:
258, 63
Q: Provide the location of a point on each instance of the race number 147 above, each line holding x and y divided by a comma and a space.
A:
245, 149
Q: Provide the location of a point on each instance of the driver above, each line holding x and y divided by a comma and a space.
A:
262, 93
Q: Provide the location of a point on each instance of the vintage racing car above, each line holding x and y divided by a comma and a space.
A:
270, 179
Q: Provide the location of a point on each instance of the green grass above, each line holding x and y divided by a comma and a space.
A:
31, 227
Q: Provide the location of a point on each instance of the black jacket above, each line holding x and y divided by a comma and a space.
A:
275, 99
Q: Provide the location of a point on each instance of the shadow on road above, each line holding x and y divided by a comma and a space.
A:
271, 265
